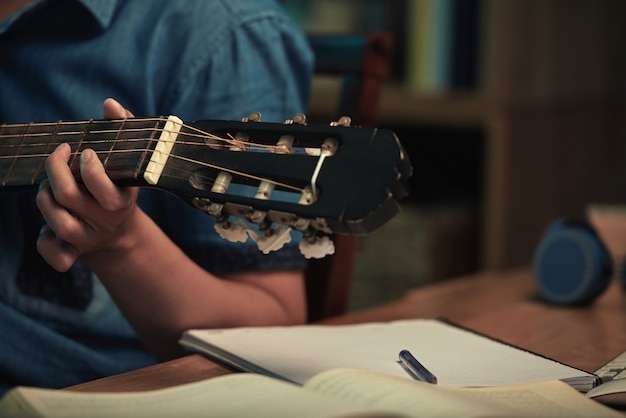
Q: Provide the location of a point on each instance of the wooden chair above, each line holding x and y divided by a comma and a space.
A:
362, 63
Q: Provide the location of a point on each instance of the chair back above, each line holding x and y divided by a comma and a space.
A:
363, 63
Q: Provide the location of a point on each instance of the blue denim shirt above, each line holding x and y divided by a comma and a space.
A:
196, 59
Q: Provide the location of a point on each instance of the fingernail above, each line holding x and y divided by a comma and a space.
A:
63, 145
85, 156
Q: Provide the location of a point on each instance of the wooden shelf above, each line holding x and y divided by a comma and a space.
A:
399, 106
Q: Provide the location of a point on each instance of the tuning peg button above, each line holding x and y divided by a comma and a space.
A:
231, 232
278, 237
319, 247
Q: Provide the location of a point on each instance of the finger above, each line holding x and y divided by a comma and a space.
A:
60, 255
112, 109
57, 216
109, 196
62, 182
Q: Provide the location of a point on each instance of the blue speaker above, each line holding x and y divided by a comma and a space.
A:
571, 264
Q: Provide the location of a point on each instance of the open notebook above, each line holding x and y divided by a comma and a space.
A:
333, 393
456, 356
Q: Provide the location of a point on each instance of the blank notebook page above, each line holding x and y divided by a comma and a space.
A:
458, 357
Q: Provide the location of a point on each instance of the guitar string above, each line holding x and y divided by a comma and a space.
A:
179, 157
237, 142
200, 133
231, 141
248, 146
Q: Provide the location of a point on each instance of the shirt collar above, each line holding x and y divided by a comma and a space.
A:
4, 24
102, 11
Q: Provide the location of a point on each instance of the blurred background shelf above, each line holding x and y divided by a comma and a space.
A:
533, 129
399, 106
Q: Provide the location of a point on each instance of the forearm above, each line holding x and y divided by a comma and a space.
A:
162, 292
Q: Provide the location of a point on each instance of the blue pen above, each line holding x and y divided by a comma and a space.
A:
415, 368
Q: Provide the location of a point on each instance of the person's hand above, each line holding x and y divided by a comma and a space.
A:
82, 218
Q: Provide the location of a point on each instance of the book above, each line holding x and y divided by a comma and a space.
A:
418, 26
458, 357
429, 45
333, 393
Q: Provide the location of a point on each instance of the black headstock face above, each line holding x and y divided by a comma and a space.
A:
331, 179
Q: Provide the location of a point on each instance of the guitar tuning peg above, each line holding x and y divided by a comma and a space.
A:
278, 237
298, 119
231, 231
343, 121
252, 117
319, 247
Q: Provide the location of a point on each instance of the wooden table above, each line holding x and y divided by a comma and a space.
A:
503, 305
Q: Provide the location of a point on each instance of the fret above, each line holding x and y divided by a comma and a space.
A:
22, 137
118, 134
150, 146
81, 136
38, 174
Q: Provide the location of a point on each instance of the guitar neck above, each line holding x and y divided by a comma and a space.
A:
125, 148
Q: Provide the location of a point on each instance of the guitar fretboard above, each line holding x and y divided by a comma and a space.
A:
124, 147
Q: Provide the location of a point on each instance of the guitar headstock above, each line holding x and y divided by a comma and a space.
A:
315, 179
